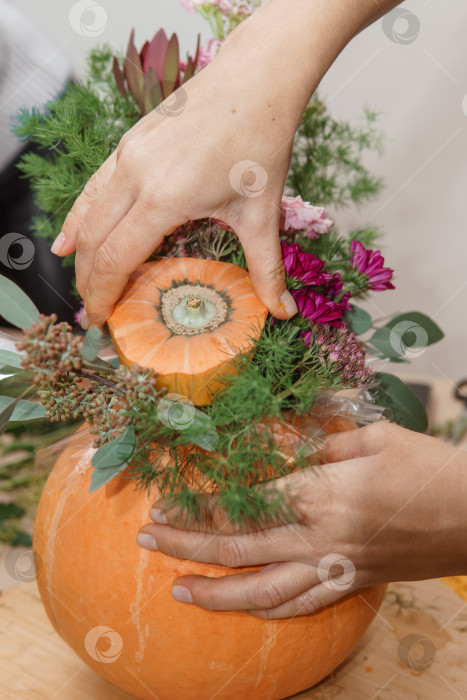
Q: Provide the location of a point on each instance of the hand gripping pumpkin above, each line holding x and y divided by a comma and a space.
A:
109, 599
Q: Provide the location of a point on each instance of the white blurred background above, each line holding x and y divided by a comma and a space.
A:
420, 88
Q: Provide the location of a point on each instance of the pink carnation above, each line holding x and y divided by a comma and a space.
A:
297, 215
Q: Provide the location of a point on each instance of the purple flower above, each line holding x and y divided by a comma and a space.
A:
316, 307
370, 263
302, 266
333, 289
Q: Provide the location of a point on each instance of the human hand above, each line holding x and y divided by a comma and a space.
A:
390, 503
199, 163
244, 107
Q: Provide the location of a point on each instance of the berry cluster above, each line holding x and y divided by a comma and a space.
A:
341, 353
51, 350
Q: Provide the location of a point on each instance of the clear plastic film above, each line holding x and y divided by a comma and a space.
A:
298, 439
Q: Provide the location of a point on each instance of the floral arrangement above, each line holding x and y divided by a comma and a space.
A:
297, 367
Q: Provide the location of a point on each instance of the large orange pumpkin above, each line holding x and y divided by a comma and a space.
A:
111, 600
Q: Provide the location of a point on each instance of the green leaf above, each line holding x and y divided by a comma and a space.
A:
91, 344
22, 410
10, 358
21, 538
202, 431
388, 345
424, 331
404, 406
15, 306
112, 458
117, 452
10, 510
359, 320
6, 413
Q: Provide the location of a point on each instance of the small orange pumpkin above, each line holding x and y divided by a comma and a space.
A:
188, 319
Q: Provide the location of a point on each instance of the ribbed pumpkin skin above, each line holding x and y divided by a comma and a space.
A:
92, 573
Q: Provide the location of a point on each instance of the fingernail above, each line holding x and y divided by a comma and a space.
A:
58, 244
144, 539
182, 594
84, 320
158, 516
288, 302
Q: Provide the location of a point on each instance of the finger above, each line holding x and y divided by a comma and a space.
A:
250, 549
306, 603
109, 208
129, 245
271, 587
263, 255
211, 517
363, 442
65, 243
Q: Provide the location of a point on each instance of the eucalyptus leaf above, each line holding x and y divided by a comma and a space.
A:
387, 344
6, 413
423, 329
117, 452
22, 410
404, 406
100, 477
10, 358
359, 320
15, 306
91, 344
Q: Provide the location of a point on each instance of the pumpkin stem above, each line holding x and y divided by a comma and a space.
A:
194, 312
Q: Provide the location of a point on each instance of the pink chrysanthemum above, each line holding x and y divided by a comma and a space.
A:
297, 215
305, 267
316, 307
371, 263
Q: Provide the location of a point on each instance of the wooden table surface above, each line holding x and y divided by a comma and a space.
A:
387, 664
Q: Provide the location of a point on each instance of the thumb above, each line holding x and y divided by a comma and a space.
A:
267, 273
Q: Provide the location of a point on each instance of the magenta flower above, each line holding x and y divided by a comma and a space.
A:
302, 266
297, 215
333, 290
316, 307
370, 263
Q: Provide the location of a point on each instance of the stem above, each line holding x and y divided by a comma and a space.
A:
95, 377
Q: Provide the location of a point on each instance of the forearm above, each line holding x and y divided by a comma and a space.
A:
287, 46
